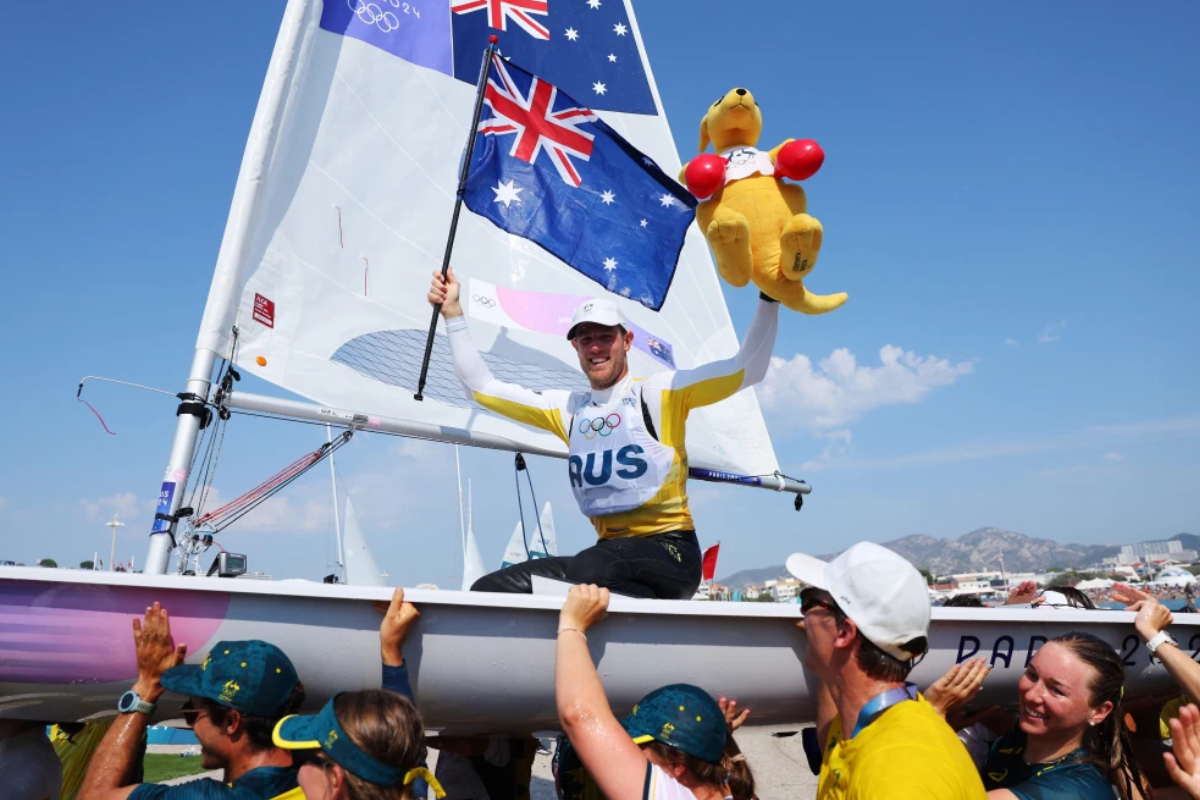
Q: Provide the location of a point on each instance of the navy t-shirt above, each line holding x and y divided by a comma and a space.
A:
1073, 777
264, 783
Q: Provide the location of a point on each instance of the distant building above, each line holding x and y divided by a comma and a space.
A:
1156, 551
784, 590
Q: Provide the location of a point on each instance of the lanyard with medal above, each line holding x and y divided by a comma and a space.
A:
882, 702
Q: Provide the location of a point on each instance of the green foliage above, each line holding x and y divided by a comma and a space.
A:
48, 562
928, 576
765, 597
87, 565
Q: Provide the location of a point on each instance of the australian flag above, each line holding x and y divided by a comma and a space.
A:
548, 169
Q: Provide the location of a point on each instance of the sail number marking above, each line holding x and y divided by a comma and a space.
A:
1004, 648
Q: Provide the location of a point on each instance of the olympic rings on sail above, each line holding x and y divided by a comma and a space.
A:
600, 426
372, 14
483, 300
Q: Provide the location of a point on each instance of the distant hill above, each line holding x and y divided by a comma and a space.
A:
975, 551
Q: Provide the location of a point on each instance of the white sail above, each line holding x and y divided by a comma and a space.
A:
361, 569
341, 212
544, 543
473, 568
540, 543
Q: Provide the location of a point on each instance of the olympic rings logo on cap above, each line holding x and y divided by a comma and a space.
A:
483, 300
372, 14
600, 426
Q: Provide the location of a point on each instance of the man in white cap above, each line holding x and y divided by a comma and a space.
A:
627, 465
866, 618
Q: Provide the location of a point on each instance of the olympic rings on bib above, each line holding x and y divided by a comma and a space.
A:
600, 426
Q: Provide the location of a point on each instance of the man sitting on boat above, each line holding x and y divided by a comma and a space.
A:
627, 467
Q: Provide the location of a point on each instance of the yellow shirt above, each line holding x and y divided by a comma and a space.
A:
907, 752
75, 752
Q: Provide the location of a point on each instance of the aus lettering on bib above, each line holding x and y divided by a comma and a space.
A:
615, 465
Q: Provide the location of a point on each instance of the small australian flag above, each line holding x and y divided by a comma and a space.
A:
548, 169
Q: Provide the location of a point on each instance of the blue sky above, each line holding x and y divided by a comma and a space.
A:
1009, 197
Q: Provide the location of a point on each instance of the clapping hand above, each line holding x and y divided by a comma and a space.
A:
1124, 593
1183, 764
1024, 592
960, 685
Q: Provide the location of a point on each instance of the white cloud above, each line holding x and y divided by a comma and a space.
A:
294, 510
124, 504
1113, 457
838, 390
839, 445
1011, 342
1051, 332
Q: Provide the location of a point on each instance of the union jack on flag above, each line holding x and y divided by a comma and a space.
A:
538, 127
500, 11
548, 169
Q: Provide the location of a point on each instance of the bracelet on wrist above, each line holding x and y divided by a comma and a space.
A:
1158, 640
561, 631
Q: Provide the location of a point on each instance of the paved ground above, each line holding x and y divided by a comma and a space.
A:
780, 769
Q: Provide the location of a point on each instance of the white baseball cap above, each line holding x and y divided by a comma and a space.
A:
601, 312
884, 594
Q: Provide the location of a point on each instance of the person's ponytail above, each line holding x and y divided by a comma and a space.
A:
738, 776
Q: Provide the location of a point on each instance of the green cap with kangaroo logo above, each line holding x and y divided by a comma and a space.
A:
254, 677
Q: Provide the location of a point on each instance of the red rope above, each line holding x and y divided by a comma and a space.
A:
288, 472
97, 413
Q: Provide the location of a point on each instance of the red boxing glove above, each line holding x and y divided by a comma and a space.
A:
799, 160
705, 174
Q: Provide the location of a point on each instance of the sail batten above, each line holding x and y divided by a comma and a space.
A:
340, 214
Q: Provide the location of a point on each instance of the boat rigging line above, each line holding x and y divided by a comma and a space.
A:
521, 466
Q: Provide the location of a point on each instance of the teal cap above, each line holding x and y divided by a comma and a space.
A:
683, 716
254, 677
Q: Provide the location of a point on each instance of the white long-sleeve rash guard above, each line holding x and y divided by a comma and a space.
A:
668, 396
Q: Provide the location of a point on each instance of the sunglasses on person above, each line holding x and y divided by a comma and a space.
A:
192, 713
807, 604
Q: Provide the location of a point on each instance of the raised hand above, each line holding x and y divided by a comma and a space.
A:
1123, 593
1152, 617
958, 686
586, 605
156, 652
446, 291
733, 720
399, 618
1024, 592
1183, 765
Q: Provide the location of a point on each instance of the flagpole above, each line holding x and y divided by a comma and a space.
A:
458, 201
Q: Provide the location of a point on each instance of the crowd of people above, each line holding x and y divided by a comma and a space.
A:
865, 618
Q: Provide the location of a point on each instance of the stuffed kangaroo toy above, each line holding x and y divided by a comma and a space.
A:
756, 223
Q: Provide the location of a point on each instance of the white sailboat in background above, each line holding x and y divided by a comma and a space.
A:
339, 214
473, 568
541, 541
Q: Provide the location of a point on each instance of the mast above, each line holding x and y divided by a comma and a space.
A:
337, 525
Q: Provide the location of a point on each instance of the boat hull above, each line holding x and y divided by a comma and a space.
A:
480, 663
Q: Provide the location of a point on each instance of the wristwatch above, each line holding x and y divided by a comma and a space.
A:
131, 702
1158, 640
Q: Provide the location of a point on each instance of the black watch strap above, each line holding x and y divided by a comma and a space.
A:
767, 297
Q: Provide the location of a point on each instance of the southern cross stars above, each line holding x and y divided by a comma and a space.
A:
612, 57
599, 88
620, 29
507, 193
594, 3
610, 264
666, 200
608, 197
643, 223
571, 34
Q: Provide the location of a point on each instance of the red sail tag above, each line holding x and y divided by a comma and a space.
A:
264, 310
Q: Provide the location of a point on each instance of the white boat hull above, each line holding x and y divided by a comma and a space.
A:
480, 663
